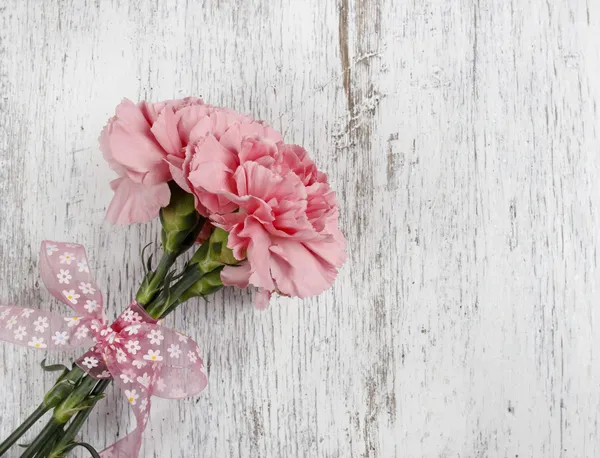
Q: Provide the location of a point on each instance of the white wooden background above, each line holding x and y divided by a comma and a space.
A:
463, 139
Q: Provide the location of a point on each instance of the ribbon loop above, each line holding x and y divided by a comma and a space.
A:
66, 274
144, 358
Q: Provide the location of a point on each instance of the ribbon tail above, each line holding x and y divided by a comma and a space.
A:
43, 330
137, 391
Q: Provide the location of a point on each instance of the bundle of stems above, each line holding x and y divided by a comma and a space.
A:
75, 393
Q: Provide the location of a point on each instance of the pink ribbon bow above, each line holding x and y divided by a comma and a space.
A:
143, 358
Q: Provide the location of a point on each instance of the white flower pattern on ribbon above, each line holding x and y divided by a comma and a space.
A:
106, 331
20, 332
131, 317
139, 363
144, 380
82, 332
133, 329
182, 337
105, 374
83, 267
160, 384
153, 355
10, 323
133, 346
72, 321
5, 313
90, 306
37, 342
121, 356
67, 258
174, 351
155, 337
60, 338
51, 249
192, 356
71, 296
64, 276
127, 315
126, 378
41, 324
86, 288
144, 404
90, 362
27, 313
132, 396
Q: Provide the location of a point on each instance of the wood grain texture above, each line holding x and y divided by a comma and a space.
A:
463, 139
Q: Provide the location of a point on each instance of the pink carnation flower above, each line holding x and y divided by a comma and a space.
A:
209, 149
137, 141
279, 210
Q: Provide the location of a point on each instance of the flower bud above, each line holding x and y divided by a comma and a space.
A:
79, 399
63, 387
180, 221
208, 284
214, 253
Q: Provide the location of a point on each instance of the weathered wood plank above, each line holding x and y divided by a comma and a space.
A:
463, 138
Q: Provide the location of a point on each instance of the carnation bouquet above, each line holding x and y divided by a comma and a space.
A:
249, 209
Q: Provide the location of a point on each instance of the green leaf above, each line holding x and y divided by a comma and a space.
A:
144, 263
52, 367
149, 263
85, 445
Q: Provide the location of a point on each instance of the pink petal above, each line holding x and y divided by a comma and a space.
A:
298, 271
165, 131
132, 115
236, 275
208, 149
253, 149
224, 118
136, 203
258, 253
255, 180
176, 168
104, 141
214, 177
194, 119
262, 298
331, 249
135, 150
201, 129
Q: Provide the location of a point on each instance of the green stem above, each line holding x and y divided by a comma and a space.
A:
68, 436
160, 305
71, 405
65, 384
154, 281
42, 438
49, 445
23, 428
